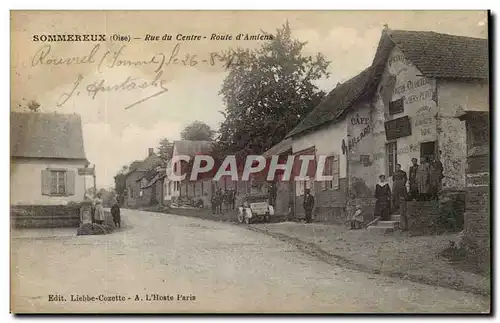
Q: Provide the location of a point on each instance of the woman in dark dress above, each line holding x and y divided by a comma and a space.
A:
383, 197
399, 180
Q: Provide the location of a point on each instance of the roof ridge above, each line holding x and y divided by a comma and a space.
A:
390, 31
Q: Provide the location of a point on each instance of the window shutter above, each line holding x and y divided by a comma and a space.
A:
335, 171
45, 182
70, 182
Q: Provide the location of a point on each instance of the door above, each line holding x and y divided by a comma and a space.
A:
428, 150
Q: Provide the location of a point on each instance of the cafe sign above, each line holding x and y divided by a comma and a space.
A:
397, 128
86, 171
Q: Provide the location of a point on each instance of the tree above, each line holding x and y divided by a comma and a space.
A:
133, 166
165, 149
267, 92
120, 186
198, 131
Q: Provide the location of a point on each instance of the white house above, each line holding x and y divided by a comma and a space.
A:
46, 152
325, 132
403, 106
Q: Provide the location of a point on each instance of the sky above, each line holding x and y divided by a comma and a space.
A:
116, 133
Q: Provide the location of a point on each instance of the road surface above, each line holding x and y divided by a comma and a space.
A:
166, 263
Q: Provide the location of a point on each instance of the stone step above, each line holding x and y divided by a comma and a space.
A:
380, 229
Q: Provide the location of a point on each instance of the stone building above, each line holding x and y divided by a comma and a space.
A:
403, 106
139, 193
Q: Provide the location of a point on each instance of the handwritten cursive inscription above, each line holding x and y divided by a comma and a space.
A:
102, 86
103, 58
43, 57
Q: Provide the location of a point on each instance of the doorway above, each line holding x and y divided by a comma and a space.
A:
428, 149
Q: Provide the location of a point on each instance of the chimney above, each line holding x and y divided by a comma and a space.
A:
151, 151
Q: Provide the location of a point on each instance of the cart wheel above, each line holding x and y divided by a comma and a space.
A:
240, 216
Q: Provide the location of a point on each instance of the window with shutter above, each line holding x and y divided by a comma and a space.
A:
299, 188
329, 166
70, 183
335, 172
55, 182
46, 182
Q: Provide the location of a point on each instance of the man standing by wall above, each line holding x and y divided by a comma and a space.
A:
308, 205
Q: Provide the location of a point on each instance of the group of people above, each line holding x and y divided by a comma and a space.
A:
424, 184
220, 198
98, 216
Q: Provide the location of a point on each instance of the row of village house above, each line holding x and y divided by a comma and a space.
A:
425, 94
411, 102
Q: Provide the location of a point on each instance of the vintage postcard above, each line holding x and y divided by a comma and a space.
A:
250, 162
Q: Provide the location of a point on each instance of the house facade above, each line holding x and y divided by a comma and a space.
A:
324, 132
403, 106
139, 191
174, 190
47, 151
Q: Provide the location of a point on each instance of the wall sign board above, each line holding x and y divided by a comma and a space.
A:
397, 128
396, 106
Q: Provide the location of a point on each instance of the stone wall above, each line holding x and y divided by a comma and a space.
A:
45, 216
477, 226
422, 217
435, 217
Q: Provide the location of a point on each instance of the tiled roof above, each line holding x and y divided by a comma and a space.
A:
46, 135
442, 55
336, 103
435, 55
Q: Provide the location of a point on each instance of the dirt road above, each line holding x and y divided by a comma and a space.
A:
166, 263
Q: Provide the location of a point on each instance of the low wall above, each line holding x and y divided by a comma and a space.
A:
477, 226
435, 217
45, 216
336, 215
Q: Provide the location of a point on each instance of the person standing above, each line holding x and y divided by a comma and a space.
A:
399, 179
308, 205
233, 199
220, 198
423, 175
213, 202
99, 209
435, 178
115, 213
383, 199
413, 179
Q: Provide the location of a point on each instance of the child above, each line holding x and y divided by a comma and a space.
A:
115, 212
357, 218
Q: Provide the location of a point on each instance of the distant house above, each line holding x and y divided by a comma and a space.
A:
140, 191
46, 152
201, 189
